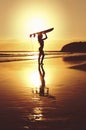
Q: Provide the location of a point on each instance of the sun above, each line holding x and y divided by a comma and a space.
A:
36, 24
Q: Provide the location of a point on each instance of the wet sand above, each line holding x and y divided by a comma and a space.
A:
30, 100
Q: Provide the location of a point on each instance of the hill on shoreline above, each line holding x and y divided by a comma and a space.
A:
74, 47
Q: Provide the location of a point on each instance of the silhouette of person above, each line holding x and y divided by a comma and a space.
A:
41, 52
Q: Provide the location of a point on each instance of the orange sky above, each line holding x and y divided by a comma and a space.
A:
18, 18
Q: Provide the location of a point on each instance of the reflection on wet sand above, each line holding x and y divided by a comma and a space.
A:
42, 90
39, 112
75, 59
79, 62
21, 109
81, 67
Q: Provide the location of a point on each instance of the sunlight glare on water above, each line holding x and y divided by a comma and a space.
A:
35, 79
31, 78
36, 115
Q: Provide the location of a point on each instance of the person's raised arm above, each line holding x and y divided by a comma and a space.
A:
45, 36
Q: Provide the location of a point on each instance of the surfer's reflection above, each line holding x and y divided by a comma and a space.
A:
43, 91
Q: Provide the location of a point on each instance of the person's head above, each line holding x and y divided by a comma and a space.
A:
40, 35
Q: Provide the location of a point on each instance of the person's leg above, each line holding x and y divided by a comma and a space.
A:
39, 56
42, 57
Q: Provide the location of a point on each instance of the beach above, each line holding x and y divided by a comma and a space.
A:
54, 102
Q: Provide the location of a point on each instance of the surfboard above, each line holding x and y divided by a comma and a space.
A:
44, 31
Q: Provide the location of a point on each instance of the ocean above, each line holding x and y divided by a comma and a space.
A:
8, 56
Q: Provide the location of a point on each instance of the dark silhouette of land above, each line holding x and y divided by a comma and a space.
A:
74, 47
78, 61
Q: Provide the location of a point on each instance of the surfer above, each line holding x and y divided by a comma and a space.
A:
41, 51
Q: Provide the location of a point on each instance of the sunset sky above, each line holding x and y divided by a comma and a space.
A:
19, 18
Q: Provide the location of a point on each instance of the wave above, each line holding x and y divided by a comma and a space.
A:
9, 56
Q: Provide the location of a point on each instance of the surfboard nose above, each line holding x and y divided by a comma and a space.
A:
32, 35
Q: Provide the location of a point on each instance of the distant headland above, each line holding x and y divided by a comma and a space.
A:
74, 47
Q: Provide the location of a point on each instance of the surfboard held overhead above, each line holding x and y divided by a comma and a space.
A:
44, 31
